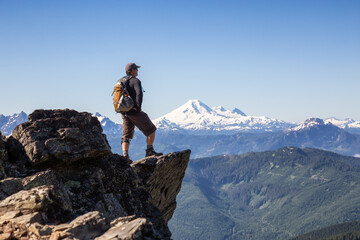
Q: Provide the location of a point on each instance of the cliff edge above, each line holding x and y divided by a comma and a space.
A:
60, 180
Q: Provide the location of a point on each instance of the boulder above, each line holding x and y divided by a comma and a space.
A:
52, 136
9, 186
86, 226
138, 228
42, 199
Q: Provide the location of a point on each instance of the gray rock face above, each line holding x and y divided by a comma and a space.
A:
162, 178
59, 180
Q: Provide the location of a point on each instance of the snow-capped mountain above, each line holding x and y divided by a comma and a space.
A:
317, 130
316, 133
8, 123
195, 116
309, 123
109, 127
347, 124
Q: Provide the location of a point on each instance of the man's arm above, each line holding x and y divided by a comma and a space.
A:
138, 94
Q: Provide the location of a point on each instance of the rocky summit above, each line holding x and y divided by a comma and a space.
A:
60, 180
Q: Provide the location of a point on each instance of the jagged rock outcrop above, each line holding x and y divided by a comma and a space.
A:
59, 180
162, 178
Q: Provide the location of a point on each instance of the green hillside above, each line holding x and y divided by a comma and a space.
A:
269, 195
343, 231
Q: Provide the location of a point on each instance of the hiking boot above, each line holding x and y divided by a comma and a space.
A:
128, 159
151, 152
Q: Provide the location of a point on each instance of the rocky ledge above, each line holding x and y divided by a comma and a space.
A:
60, 180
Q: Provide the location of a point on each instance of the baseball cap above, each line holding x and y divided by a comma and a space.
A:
131, 66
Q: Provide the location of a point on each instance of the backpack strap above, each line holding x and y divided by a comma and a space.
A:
123, 82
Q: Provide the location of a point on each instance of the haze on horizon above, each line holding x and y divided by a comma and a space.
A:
289, 60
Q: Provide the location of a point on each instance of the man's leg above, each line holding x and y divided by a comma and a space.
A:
142, 121
150, 149
150, 139
125, 148
128, 133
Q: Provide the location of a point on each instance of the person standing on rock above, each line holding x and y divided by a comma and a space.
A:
136, 117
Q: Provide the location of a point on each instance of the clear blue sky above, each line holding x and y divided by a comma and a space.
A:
289, 59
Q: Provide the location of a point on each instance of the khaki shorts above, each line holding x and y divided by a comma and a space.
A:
141, 120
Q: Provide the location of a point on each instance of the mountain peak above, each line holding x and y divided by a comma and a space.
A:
194, 101
310, 123
97, 115
219, 108
348, 124
22, 114
238, 111
314, 121
196, 116
195, 106
109, 126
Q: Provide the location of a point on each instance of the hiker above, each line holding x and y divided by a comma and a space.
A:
136, 117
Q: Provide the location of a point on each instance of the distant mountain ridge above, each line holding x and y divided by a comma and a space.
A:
312, 133
195, 117
212, 134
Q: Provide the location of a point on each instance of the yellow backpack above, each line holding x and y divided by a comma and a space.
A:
121, 99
